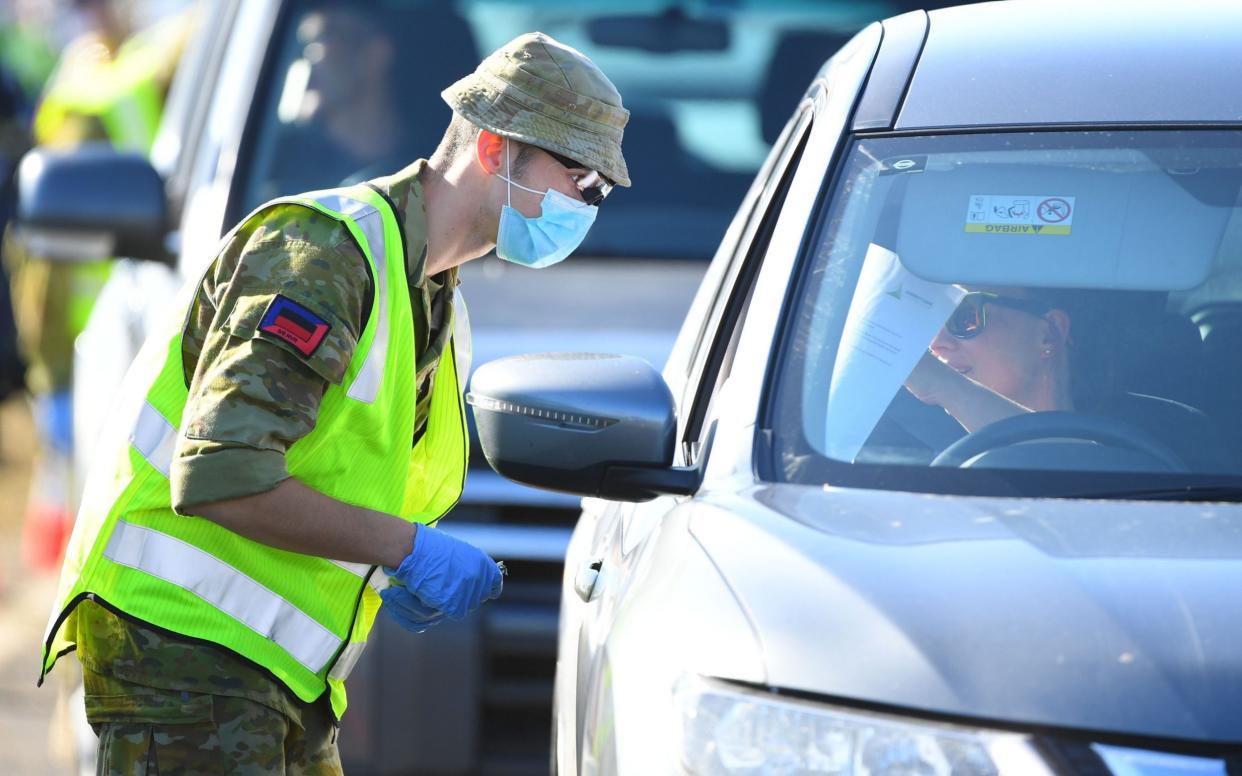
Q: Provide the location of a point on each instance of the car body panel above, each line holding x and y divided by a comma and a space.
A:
1040, 614
886, 86
1102, 616
737, 403
658, 587
602, 640
1050, 63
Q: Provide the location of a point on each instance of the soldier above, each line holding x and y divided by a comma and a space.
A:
267, 429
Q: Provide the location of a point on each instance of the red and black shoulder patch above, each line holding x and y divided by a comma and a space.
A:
294, 324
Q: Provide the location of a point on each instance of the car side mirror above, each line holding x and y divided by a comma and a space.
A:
584, 423
90, 203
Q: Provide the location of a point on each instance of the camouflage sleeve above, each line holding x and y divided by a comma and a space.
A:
276, 320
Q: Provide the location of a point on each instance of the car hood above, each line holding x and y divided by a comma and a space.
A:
1120, 617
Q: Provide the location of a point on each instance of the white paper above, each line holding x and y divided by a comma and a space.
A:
893, 317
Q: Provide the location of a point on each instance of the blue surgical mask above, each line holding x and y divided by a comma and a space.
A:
541, 242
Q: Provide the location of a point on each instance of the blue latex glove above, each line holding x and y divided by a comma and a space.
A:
446, 574
408, 611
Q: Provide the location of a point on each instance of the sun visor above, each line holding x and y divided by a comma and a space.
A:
1027, 225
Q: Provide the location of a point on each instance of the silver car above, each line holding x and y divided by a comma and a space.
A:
942, 474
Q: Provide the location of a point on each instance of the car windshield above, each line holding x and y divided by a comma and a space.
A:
353, 92
1051, 313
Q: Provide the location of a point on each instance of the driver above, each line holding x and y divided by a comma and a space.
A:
1008, 350
1001, 353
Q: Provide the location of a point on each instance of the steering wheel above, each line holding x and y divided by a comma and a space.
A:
1030, 426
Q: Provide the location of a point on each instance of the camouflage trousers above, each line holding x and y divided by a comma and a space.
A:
146, 731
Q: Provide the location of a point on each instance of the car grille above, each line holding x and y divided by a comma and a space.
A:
1083, 758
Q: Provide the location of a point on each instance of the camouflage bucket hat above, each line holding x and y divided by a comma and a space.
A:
538, 91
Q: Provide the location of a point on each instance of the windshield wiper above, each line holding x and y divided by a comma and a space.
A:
1224, 493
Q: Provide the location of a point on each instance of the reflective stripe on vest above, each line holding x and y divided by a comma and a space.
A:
366, 384
463, 355
225, 588
377, 581
346, 662
155, 438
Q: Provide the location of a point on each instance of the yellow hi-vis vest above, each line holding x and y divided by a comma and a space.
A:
304, 619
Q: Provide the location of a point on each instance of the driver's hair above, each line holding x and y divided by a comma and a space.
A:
1094, 328
459, 139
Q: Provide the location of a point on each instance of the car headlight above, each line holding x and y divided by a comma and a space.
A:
732, 730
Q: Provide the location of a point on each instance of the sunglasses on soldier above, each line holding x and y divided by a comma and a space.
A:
593, 186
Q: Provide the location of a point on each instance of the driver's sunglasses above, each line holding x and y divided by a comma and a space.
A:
593, 186
971, 316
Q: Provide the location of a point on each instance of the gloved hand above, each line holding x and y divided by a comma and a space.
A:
407, 610
447, 575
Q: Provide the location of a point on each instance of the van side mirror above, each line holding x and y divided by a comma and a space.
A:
91, 203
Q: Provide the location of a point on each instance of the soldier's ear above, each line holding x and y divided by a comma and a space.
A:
489, 150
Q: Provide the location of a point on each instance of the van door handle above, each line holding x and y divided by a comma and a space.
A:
584, 580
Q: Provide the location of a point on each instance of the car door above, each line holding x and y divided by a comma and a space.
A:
611, 538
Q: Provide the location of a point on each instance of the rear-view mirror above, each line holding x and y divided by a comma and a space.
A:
668, 33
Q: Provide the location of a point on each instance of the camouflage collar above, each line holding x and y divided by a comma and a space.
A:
405, 190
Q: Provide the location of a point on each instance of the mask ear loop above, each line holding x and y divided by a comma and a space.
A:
508, 177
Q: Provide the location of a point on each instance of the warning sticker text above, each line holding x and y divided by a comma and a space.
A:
1019, 214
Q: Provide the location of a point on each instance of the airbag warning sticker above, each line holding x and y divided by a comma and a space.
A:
1003, 214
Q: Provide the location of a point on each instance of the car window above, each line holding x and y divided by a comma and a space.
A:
712, 357
1042, 312
346, 97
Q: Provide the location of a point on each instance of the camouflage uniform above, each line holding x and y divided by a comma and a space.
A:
157, 699
153, 697
180, 708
